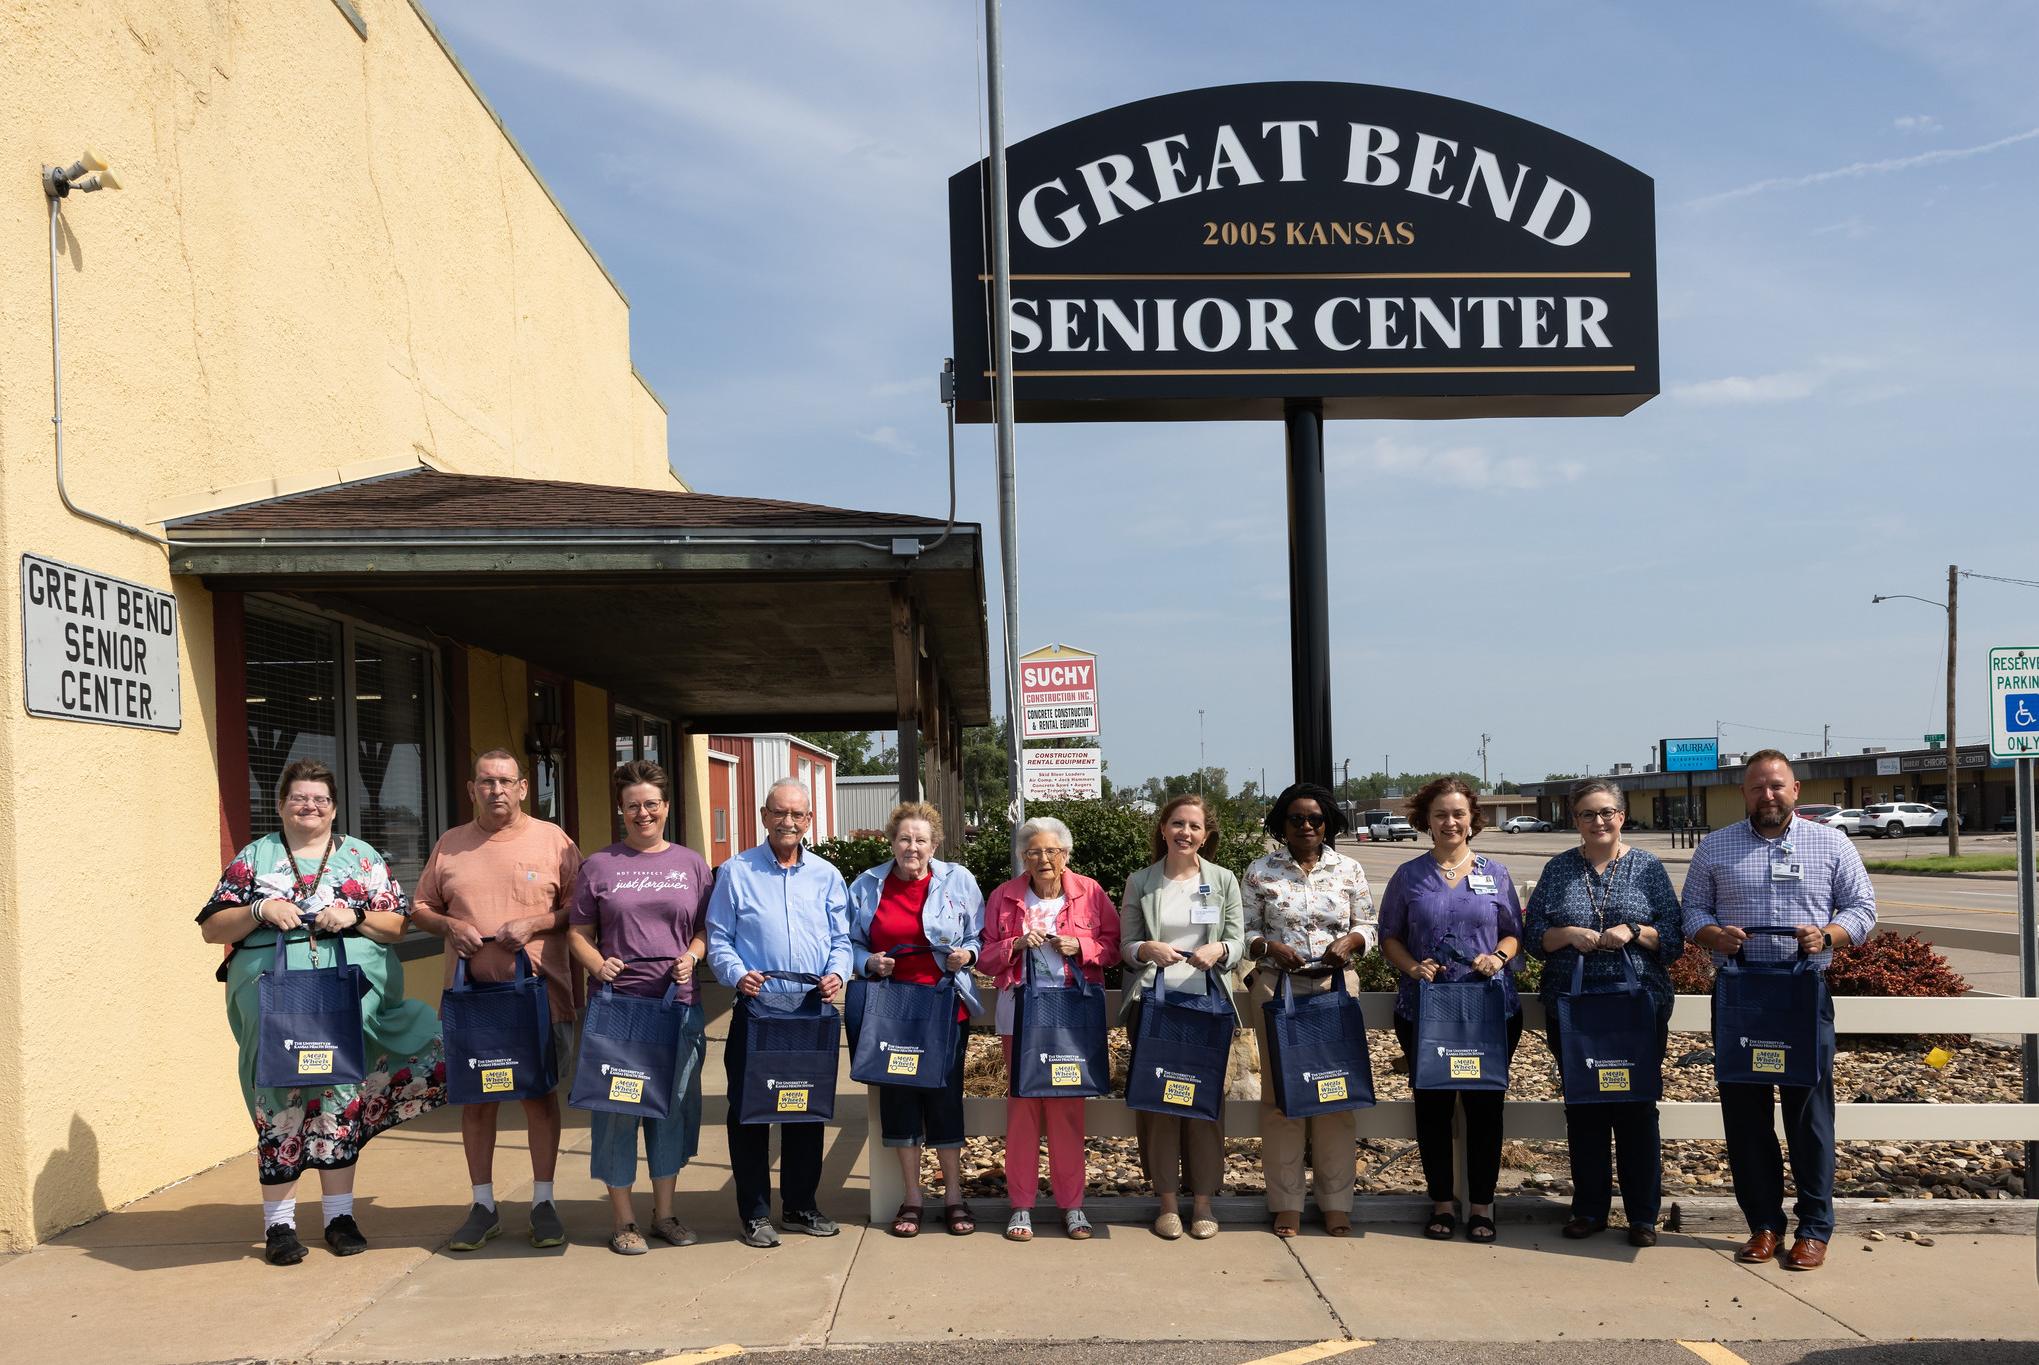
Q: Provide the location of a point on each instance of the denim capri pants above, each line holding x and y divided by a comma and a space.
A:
912, 1117
669, 1143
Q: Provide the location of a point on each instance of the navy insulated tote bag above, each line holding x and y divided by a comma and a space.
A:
1770, 1021
792, 1045
1607, 1040
903, 1032
498, 1037
1180, 1050
1058, 1038
1461, 1033
630, 1053
309, 1022
1316, 1047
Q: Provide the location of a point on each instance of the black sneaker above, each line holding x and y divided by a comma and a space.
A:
344, 1237
759, 1232
813, 1222
283, 1247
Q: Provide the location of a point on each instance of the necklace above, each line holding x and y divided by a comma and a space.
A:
1450, 872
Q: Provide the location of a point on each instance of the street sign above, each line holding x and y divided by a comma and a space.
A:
2014, 701
1691, 755
1062, 774
1058, 693
1936, 740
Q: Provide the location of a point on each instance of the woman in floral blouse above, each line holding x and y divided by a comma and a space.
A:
337, 886
1304, 901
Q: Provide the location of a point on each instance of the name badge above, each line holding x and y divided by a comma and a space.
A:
1203, 909
1787, 870
1482, 883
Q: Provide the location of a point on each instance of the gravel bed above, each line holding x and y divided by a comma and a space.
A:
1980, 1072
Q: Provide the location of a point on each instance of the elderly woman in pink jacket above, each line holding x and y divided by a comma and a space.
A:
1061, 917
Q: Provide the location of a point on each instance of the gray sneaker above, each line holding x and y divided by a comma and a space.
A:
813, 1222
759, 1232
546, 1228
481, 1225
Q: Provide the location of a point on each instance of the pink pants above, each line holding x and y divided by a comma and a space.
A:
1024, 1120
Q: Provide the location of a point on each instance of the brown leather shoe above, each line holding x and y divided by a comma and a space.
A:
1759, 1249
1807, 1253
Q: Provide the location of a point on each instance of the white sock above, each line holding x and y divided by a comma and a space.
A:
276, 1211
485, 1195
541, 1192
336, 1205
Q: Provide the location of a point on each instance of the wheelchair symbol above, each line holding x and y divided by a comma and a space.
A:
2024, 719
2020, 715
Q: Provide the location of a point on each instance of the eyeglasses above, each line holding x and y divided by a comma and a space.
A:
1605, 815
773, 813
497, 784
309, 802
644, 808
1044, 854
1298, 819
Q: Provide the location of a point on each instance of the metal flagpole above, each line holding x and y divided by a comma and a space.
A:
1001, 342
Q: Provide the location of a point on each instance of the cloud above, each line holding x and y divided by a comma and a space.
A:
1858, 169
1916, 123
1782, 387
888, 438
1460, 466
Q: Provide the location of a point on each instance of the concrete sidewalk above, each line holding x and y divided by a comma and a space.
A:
177, 1277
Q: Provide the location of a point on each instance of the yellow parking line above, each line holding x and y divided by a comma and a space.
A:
1713, 1353
1304, 1355
722, 1352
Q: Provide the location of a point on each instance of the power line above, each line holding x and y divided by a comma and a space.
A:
1994, 578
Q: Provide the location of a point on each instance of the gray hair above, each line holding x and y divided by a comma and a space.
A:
791, 784
1047, 824
1586, 786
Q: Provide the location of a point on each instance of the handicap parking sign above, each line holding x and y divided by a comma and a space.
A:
2021, 712
2014, 702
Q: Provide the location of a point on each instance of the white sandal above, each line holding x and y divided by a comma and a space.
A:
1076, 1224
1020, 1226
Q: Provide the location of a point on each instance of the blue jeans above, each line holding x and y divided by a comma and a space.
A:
669, 1143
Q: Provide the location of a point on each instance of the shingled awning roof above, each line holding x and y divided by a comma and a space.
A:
729, 613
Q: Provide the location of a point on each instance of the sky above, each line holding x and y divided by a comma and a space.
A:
1846, 195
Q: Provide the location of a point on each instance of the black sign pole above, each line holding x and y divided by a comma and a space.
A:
2028, 952
1309, 593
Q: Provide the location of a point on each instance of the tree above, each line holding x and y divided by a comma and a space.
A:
856, 752
987, 790
1559, 777
1506, 788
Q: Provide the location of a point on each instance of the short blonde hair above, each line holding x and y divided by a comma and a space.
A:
914, 810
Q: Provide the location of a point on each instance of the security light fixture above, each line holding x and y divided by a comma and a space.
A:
87, 174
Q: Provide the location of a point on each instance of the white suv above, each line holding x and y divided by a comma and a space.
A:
1895, 819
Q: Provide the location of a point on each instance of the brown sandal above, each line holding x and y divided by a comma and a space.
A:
962, 1222
1337, 1224
906, 1222
1287, 1223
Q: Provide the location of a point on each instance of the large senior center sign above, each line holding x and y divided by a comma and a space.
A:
1217, 252
1301, 250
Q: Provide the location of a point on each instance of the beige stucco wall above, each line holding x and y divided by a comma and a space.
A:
326, 252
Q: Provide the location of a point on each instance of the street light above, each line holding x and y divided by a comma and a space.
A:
1951, 607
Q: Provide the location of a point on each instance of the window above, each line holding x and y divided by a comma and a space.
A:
634, 735
721, 835
362, 700
547, 744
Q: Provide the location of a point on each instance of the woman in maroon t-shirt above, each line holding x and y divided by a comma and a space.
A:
918, 901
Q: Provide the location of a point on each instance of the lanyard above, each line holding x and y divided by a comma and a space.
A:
299, 889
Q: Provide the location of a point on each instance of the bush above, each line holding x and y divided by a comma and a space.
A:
1112, 842
1893, 965
1692, 973
852, 856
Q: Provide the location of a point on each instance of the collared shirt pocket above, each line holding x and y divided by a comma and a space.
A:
533, 885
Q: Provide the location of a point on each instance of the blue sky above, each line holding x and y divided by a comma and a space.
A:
1845, 197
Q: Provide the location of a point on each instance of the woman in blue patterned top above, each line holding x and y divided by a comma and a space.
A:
1439, 909
1601, 899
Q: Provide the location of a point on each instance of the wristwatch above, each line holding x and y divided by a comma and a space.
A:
1257, 949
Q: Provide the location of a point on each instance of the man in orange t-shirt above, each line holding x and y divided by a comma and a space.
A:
506, 878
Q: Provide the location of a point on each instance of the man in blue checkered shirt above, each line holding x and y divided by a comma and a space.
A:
1776, 871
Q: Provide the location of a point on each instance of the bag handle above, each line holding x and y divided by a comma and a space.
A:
524, 968
1069, 972
1631, 982
279, 960
1211, 985
918, 950
1288, 975
1733, 961
671, 997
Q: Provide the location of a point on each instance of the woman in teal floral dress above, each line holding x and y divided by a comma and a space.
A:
340, 888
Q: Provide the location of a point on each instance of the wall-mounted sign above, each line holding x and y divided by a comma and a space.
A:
2014, 702
1889, 766
96, 648
1691, 755
1058, 693
1213, 253
1937, 763
1062, 774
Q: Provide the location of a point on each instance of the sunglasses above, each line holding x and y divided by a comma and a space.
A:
1301, 819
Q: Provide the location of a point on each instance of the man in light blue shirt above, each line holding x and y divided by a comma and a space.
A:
777, 908
1773, 870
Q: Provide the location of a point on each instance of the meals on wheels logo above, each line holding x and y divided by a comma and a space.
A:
1331, 1085
790, 1097
1465, 1062
900, 1060
1063, 1068
1177, 1087
313, 1058
625, 1086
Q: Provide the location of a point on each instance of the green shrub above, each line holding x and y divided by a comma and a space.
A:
1112, 842
852, 856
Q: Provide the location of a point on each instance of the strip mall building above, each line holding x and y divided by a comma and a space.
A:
336, 348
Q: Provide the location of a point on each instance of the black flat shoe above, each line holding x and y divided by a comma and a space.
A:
1585, 1227
1642, 1237
283, 1248
344, 1237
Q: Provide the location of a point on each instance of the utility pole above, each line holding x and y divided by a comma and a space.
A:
1200, 748
1826, 741
1485, 740
1953, 737
1008, 481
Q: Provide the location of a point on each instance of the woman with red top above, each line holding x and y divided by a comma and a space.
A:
1061, 917
918, 901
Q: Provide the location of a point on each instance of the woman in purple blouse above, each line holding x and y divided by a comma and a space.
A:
1453, 894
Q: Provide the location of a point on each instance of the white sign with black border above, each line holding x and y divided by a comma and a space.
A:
98, 649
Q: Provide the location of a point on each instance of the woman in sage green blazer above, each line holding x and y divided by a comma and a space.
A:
1181, 914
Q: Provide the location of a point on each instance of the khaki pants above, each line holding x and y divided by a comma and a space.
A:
1331, 1138
1176, 1151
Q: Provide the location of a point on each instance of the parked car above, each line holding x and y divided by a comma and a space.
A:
1847, 821
1393, 828
1895, 819
1525, 824
1817, 814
